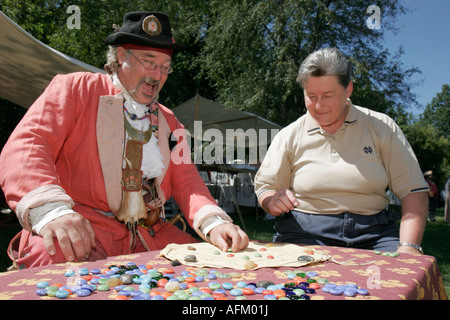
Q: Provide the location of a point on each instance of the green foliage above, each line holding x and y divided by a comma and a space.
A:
246, 54
428, 137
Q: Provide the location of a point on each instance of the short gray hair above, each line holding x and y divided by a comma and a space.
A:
325, 62
112, 64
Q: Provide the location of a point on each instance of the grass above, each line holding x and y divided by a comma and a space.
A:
435, 242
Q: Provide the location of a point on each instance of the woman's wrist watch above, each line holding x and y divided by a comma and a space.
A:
412, 245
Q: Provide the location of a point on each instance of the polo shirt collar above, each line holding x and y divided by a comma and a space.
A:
312, 126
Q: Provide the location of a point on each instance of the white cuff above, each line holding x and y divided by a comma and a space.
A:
210, 222
42, 215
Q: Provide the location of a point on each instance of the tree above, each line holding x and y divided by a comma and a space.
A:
253, 50
437, 113
429, 139
246, 53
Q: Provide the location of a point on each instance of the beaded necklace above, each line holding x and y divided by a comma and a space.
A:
151, 114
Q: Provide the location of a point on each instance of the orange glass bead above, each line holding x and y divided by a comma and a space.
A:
247, 291
267, 291
162, 282
155, 293
314, 285
190, 285
166, 295
298, 279
87, 277
121, 297
169, 271
217, 296
279, 293
205, 290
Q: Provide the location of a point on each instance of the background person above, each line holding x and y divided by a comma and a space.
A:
328, 172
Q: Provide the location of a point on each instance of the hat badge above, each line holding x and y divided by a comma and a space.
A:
151, 25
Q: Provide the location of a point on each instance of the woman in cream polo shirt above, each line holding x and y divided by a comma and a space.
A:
329, 171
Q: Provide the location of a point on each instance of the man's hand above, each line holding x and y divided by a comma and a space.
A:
228, 235
279, 202
74, 234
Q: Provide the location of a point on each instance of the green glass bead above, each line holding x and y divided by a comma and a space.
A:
394, 254
103, 287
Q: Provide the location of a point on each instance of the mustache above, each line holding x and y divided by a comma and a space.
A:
149, 81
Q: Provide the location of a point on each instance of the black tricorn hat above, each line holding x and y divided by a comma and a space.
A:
145, 28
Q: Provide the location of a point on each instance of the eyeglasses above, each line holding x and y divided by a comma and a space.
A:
153, 66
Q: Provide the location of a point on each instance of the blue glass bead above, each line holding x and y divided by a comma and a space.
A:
362, 291
95, 271
119, 288
197, 293
350, 291
236, 292
124, 292
207, 298
259, 290
62, 294
157, 297
41, 292
83, 292
272, 287
241, 284
211, 276
94, 281
270, 297
83, 271
290, 293
199, 279
311, 274
135, 293
220, 291
183, 286
304, 297
335, 291
42, 284
227, 286
89, 287
69, 273
304, 284
80, 282
310, 290
326, 289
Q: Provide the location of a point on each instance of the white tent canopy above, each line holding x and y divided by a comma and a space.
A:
216, 116
27, 65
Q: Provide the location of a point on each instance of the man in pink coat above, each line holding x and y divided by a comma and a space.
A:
92, 162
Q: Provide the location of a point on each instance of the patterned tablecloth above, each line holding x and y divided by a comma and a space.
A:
406, 277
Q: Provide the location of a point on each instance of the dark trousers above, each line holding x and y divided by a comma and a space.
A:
374, 232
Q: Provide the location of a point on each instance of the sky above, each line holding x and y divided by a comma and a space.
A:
425, 37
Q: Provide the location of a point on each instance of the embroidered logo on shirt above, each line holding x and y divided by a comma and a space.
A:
368, 150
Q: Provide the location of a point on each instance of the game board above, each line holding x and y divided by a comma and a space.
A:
256, 255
